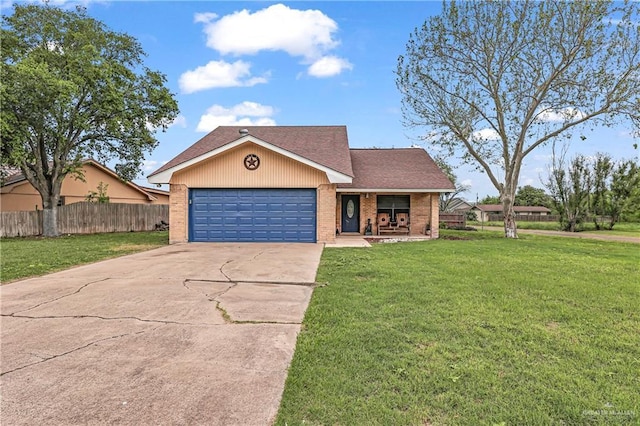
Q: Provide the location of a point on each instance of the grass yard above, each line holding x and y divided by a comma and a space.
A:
488, 331
26, 257
623, 228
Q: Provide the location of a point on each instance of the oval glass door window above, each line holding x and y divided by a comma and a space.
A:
351, 208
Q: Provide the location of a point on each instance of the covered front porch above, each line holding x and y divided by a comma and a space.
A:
350, 240
387, 214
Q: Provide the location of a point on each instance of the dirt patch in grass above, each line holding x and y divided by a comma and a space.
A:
455, 237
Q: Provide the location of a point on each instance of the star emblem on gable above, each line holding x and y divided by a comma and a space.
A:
251, 162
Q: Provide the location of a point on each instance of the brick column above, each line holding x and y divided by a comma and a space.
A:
326, 213
178, 214
435, 215
419, 214
369, 210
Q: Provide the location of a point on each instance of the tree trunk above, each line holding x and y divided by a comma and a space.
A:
510, 228
50, 216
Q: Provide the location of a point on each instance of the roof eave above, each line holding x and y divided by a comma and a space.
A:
422, 190
164, 177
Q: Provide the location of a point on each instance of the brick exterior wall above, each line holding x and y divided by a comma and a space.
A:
420, 212
326, 213
368, 210
435, 215
178, 214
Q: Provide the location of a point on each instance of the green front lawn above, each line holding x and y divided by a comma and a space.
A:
623, 228
26, 257
487, 331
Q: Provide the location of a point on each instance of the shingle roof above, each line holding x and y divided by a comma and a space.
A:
404, 168
11, 175
498, 208
324, 145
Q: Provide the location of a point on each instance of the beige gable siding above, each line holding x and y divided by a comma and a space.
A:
227, 171
75, 190
23, 196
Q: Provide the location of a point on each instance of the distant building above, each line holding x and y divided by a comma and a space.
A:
483, 211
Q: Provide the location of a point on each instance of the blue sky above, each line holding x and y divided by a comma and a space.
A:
295, 63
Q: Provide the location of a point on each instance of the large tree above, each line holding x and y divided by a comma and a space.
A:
495, 80
71, 89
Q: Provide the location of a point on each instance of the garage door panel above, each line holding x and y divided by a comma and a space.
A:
252, 215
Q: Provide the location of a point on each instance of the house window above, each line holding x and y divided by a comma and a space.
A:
393, 204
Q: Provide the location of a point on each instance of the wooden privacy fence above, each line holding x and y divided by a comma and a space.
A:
87, 218
453, 220
526, 218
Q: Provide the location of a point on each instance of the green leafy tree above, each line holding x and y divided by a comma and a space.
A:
601, 203
496, 80
624, 192
72, 89
490, 199
530, 196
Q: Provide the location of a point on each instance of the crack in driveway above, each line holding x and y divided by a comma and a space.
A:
155, 321
45, 359
214, 296
82, 287
222, 272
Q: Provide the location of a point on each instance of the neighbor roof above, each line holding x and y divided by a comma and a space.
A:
18, 177
327, 146
498, 208
396, 169
11, 175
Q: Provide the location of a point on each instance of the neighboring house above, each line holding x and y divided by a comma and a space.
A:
458, 205
295, 183
483, 211
17, 194
162, 196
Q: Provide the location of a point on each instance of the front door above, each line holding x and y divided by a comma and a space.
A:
350, 213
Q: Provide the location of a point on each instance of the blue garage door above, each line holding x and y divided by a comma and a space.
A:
269, 215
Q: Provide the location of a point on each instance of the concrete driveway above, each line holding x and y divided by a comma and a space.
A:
184, 334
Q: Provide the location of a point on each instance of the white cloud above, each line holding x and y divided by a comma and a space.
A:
305, 33
149, 165
219, 74
180, 121
308, 34
550, 115
485, 135
243, 114
204, 17
328, 66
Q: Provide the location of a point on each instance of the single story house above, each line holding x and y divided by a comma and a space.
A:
298, 184
483, 211
17, 194
458, 205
